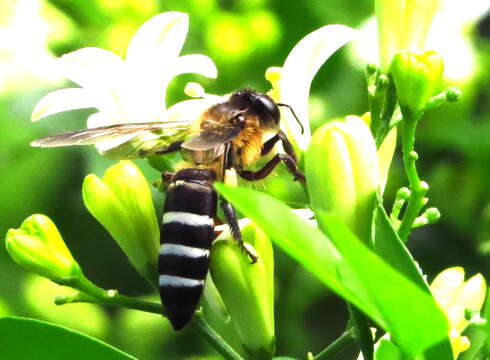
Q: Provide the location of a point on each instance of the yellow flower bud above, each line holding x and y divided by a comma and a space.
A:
38, 247
342, 172
121, 201
247, 289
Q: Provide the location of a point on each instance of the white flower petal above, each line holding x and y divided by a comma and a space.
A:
62, 100
190, 110
196, 63
101, 119
99, 71
148, 105
89, 67
152, 59
159, 40
300, 67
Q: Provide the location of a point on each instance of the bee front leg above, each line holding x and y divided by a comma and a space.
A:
270, 165
232, 222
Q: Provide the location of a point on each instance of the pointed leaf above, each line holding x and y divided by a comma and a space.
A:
389, 246
352, 271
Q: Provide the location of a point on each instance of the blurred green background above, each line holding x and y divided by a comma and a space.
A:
244, 38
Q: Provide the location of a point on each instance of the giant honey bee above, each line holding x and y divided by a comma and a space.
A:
228, 136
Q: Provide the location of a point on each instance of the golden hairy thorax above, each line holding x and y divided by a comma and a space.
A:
248, 143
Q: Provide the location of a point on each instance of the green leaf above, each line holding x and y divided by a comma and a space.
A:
413, 318
26, 339
301, 241
386, 350
353, 271
389, 246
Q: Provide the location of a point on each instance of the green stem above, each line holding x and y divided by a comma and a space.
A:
363, 334
347, 339
200, 326
389, 107
418, 188
90, 293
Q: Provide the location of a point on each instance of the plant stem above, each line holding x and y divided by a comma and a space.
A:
90, 293
199, 325
418, 188
348, 338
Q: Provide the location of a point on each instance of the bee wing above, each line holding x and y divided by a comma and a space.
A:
213, 136
122, 141
96, 135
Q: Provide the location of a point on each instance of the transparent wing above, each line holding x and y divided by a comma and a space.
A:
213, 136
131, 140
95, 135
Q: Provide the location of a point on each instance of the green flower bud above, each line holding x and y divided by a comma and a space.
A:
121, 201
416, 77
38, 247
247, 289
343, 174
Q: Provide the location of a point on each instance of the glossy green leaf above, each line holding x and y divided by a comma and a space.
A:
301, 241
352, 271
27, 339
386, 350
389, 246
413, 318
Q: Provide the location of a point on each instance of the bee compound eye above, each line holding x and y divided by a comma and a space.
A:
268, 106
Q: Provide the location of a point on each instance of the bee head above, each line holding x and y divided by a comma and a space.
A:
257, 104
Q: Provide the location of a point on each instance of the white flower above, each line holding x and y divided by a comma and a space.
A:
292, 85
448, 35
131, 89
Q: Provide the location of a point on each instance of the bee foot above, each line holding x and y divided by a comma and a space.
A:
250, 250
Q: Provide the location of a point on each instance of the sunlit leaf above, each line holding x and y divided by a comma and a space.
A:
389, 246
22, 338
353, 271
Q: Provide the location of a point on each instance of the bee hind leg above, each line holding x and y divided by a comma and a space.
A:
232, 222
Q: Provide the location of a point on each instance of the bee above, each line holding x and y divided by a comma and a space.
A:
227, 138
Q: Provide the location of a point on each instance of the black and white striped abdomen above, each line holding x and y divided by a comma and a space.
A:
186, 236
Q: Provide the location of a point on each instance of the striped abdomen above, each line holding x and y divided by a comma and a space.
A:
186, 237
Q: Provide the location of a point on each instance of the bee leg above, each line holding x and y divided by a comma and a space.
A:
167, 177
286, 144
232, 222
173, 147
269, 144
270, 165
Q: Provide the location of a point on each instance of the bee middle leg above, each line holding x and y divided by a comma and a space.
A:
232, 221
173, 147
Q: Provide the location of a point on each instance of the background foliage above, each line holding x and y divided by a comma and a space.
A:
243, 38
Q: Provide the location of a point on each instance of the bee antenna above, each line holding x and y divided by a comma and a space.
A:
294, 114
